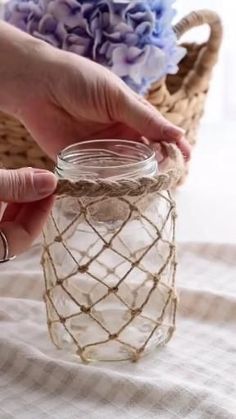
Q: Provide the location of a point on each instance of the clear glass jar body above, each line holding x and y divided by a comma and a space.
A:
109, 262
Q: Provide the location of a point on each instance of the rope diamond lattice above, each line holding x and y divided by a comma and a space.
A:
109, 267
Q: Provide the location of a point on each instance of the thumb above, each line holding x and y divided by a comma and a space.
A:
26, 185
139, 114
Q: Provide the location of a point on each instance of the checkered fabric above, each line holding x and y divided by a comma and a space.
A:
193, 377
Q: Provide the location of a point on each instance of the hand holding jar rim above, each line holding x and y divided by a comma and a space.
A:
61, 98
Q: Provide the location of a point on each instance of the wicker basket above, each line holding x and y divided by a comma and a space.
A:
180, 98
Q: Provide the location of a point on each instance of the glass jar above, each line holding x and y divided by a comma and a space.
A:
109, 261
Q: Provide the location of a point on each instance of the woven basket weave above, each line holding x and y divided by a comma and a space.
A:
180, 98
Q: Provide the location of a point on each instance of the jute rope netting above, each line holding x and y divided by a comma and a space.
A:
128, 201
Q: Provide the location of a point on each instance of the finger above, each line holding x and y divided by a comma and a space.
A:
183, 145
11, 212
26, 185
27, 225
140, 115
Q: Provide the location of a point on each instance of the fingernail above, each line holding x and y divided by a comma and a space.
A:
44, 182
174, 132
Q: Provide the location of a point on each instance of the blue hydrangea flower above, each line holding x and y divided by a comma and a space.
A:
133, 38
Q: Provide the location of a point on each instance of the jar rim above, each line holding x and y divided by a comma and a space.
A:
143, 147
111, 159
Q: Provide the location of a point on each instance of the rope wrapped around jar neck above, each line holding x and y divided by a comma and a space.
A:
116, 187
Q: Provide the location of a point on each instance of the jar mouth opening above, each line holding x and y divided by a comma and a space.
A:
111, 159
125, 152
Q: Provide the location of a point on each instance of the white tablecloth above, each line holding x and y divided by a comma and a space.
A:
193, 376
